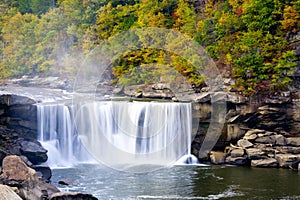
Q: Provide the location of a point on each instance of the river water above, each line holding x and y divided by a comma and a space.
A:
182, 182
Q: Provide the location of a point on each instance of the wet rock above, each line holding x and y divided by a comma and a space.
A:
217, 157
44, 170
72, 196
65, 182
254, 153
268, 162
287, 160
33, 151
237, 161
293, 141
244, 143
6, 193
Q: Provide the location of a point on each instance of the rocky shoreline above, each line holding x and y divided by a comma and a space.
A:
258, 132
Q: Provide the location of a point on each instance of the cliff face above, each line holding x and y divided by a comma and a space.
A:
19, 113
261, 132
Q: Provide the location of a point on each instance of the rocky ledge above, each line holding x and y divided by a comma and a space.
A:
19, 181
260, 148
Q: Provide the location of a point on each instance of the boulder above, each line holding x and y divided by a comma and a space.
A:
237, 153
268, 162
15, 171
287, 160
72, 196
237, 161
244, 143
293, 141
44, 170
30, 187
6, 193
217, 157
254, 153
33, 151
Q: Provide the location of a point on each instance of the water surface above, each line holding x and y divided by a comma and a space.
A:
182, 182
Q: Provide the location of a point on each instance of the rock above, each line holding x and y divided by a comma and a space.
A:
11, 100
250, 137
6, 193
218, 97
288, 150
16, 173
267, 110
254, 153
278, 100
65, 182
160, 86
234, 132
217, 157
158, 95
44, 170
2, 155
33, 151
269, 162
237, 161
244, 143
266, 140
26, 161
72, 196
287, 160
203, 97
252, 134
237, 153
280, 140
236, 99
293, 141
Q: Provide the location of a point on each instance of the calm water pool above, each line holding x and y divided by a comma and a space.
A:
182, 182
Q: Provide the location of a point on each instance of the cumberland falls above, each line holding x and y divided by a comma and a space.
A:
119, 134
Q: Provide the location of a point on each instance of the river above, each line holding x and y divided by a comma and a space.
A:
182, 182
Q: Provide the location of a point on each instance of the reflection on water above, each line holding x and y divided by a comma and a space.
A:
182, 182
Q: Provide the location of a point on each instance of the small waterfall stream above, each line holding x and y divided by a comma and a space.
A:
116, 133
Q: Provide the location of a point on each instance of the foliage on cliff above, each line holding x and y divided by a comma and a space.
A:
246, 38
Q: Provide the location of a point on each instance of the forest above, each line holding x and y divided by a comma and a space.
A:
249, 40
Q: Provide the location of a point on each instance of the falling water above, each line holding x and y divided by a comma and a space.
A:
116, 133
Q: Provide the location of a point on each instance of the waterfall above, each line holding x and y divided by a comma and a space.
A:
117, 133
57, 134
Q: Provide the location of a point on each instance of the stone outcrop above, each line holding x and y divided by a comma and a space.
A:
33, 151
259, 132
16, 173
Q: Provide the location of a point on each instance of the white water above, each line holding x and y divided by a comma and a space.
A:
118, 134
